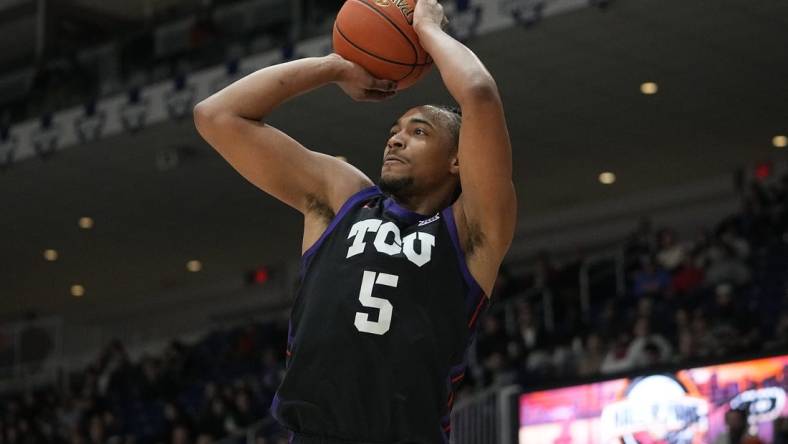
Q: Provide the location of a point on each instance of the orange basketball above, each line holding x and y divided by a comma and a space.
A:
379, 36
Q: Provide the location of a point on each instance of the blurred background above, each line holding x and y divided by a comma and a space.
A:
145, 286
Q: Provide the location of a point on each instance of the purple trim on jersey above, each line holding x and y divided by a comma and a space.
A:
273, 409
275, 406
401, 212
473, 287
349, 204
445, 422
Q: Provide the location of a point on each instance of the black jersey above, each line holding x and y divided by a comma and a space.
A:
380, 327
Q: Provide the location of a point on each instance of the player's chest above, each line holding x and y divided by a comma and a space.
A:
378, 237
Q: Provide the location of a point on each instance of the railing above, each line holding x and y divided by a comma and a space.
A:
485, 418
595, 270
488, 417
587, 278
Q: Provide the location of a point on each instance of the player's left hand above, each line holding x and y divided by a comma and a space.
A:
359, 84
427, 13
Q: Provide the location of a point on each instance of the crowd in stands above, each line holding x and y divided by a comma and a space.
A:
208, 392
718, 295
83, 62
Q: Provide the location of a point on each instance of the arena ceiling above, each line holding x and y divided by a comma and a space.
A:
571, 89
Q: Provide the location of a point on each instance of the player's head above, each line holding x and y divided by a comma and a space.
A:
421, 153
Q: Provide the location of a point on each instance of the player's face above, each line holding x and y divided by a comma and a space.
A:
419, 152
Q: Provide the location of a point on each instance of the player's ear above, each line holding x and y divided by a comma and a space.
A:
455, 164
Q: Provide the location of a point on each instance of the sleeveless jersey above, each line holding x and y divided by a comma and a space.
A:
380, 328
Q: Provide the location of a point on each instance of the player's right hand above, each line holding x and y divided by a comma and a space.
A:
359, 84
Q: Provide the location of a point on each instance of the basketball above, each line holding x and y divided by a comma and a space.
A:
379, 36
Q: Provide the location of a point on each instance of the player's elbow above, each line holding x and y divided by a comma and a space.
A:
480, 88
203, 115
208, 119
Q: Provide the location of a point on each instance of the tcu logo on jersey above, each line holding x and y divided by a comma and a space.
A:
388, 241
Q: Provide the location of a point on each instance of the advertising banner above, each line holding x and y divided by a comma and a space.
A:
686, 407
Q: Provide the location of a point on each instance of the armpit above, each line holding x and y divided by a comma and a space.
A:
474, 237
319, 209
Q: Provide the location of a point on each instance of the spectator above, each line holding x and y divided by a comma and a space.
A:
181, 435
688, 277
592, 356
650, 280
610, 321
492, 348
546, 273
96, 431
151, 386
780, 336
530, 339
617, 358
781, 430
272, 370
670, 253
213, 421
647, 348
706, 344
731, 322
687, 348
725, 266
243, 414
640, 242
736, 429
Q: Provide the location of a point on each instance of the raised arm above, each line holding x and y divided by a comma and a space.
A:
232, 121
488, 200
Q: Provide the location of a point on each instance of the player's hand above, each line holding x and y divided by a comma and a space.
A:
359, 84
429, 13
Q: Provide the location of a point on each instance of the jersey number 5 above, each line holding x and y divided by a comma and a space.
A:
381, 326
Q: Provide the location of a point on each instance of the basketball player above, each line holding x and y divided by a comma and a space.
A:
393, 276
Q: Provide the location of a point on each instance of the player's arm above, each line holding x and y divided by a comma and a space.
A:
488, 199
233, 122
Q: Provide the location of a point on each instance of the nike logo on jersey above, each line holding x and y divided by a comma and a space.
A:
388, 241
430, 220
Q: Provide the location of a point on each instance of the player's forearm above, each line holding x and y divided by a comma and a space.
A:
463, 73
256, 95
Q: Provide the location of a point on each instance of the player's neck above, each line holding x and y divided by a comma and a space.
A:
426, 205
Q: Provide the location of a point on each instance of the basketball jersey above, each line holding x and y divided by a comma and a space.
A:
380, 327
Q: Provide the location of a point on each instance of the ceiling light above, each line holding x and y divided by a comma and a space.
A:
85, 223
50, 255
649, 88
194, 266
780, 141
77, 290
342, 158
607, 178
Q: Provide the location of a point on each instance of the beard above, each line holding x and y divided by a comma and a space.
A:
397, 186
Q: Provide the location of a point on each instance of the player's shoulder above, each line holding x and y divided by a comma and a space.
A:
351, 192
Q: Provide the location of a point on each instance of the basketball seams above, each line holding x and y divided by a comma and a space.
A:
394, 68
344, 37
371, 54
393, 24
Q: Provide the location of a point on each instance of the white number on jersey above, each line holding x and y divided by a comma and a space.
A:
382, 325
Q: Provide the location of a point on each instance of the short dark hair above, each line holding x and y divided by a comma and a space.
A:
455, 121
454, 113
